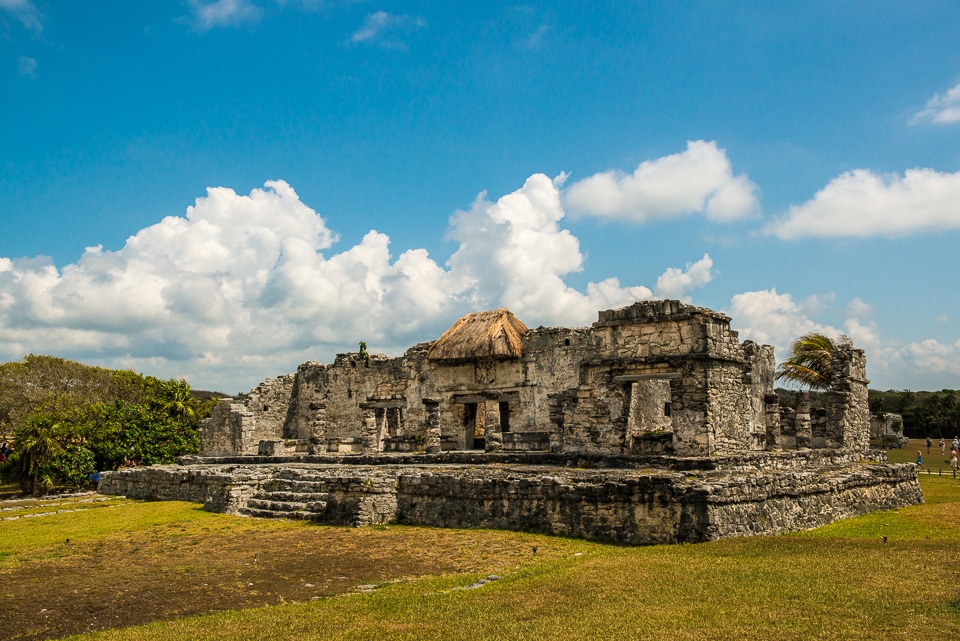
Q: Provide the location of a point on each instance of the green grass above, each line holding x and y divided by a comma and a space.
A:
934, 461
837, 582
108, 521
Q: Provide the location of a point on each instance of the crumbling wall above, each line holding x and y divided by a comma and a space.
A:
330, 401
218, 489
238, 428
655, 508
230, 429
718, 386
652, 368
769, 494
270, 404
848, 411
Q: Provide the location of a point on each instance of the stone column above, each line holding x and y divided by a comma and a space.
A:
848, 413
492, 436
318, 429
432, 440
690, 408
368, 431
771, 415
802, 420
556, 405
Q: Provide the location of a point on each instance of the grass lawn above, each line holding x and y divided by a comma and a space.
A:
312, 582
934, 461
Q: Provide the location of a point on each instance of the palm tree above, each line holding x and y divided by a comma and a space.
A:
175, 400
36, 444
810, 364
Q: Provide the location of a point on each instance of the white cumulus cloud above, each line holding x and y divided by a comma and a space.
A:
25, 12
928, 361
699, 180
942, 109
381, 28
770, 318
777, 319
246, 286
513, 253
675, 282
222, 13
861, 203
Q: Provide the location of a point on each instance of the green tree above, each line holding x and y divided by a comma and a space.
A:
74, 465
47, 381
173, 398
68, 420
143, 434
37, 444
810, 363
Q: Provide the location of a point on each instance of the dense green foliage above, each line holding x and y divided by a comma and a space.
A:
68, 420
933, 414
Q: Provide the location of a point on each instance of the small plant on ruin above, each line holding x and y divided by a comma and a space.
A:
364, 356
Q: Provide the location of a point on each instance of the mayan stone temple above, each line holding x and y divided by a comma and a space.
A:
654, 425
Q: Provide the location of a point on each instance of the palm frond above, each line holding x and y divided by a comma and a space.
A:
810, 363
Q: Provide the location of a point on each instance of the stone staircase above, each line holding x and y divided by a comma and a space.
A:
293, 495
333, 496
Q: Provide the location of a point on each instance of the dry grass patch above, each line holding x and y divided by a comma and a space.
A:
161, 562
140, 562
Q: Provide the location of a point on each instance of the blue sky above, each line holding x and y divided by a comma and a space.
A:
222, 190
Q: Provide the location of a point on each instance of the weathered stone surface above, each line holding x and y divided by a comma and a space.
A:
655, 425
652, 367
735, 496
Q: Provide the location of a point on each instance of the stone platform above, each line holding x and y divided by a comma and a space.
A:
624, 499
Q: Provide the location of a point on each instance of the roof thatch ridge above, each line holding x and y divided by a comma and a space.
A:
490, 334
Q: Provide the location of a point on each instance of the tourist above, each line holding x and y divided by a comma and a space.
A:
943, 446
920, 462
953, 459
929, 444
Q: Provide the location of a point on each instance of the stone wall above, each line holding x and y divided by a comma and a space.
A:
219, 489
238, 427
644, 509
737, 496
653, 368
772, 504
848, 412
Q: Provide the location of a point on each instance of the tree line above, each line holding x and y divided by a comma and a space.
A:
933, 414
66, 421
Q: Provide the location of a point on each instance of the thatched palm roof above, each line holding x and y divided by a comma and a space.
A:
497, 334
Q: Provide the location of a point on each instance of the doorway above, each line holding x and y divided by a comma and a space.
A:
473, 428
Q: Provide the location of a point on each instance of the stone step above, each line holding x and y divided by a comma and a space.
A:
294, 474
297, 497
295, 485
280, 514
267, 503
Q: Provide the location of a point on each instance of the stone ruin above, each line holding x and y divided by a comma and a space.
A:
655, 424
